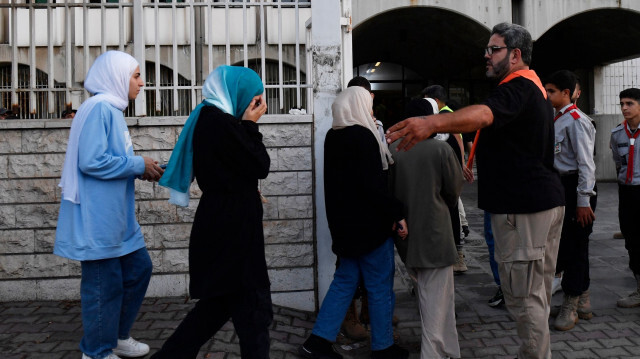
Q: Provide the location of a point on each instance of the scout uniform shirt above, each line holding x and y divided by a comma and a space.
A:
573, 150
623, 140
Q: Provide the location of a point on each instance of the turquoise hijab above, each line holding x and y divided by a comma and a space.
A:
229, 88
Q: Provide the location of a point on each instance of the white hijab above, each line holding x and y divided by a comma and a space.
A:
353, 107
108, 79
434, 105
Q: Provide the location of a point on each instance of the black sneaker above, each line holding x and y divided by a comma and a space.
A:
392, 352
497, 299
465, 231
318, 348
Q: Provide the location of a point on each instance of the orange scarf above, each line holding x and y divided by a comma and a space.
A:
529, 75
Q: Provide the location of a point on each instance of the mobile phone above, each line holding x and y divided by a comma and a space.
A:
163, 166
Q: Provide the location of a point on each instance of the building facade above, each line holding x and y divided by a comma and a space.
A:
305, 53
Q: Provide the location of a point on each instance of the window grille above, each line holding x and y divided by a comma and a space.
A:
271, 78
56, 41
21, 111
166, 95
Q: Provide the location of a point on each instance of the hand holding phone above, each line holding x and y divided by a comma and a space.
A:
257, 107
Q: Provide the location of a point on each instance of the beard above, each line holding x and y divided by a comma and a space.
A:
499, 70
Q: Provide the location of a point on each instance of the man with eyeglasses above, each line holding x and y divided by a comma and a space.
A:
517, 182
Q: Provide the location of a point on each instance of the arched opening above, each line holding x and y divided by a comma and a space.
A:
23, 109
592, 38
583, 41
428, 46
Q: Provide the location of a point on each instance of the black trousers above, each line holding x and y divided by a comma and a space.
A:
628, 214
573, 253
250, 311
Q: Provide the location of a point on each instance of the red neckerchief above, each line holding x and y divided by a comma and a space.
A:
529, 75
560, 113
632, 141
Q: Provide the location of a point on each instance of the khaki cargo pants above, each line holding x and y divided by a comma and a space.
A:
526, 249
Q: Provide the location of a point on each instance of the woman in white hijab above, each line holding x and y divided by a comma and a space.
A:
362, 217
97, 221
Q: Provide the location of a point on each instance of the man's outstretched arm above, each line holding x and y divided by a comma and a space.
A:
416, 129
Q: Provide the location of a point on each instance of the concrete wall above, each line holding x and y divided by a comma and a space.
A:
486, 12
539, 16
31, 158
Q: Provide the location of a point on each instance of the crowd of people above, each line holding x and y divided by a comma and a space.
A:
383, 191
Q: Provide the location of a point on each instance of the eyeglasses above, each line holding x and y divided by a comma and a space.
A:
489, 50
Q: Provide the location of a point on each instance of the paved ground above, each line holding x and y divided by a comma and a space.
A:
53, 329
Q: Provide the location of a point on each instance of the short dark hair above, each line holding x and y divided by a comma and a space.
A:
360, 81
418, 107
563, 80
632, 92
516, 37
435, 92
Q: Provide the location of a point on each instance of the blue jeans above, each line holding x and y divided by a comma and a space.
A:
111, 292
377, 269
488, 237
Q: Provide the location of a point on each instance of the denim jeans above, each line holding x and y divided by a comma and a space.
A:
111, 292
377, 269
488, 237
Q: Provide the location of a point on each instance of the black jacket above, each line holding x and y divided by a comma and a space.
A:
360, 208
226, 249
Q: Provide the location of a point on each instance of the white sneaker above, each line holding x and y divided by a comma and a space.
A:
557, 285
110, 356
131, 348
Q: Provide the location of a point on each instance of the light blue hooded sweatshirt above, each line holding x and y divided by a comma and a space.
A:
97, 215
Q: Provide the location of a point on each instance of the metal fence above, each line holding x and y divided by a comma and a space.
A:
47, 47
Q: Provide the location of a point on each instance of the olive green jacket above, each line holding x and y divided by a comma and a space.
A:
427, 179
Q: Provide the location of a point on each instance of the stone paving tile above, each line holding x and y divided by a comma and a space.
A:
610, 343
297, 322
580, 354
65, 346
590, 335
560, 345
633, 350
485, 352
500, 341
562, 336
472, 343
620, 333
611, 352
477, 334
581, 345
279, 318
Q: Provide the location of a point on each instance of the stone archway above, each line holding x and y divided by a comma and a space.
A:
592, 38
438, 46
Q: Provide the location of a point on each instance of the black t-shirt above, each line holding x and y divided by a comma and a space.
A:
515, 153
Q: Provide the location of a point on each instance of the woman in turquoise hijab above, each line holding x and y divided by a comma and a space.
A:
221, 147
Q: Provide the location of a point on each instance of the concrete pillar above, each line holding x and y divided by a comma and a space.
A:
326, 42
598, 90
